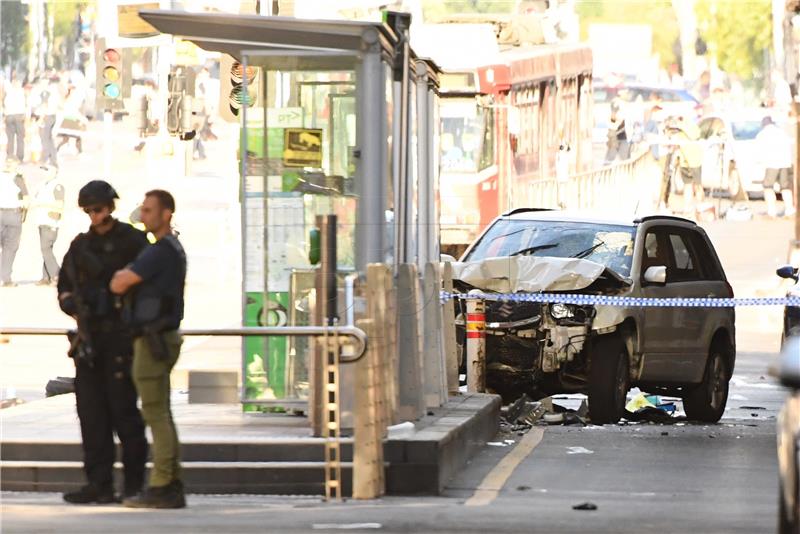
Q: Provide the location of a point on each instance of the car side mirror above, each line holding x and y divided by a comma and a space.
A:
787, 271
656, 274
789, 367
447, 258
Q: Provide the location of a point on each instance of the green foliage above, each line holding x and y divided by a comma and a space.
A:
65, 13
738, 33
433, 9
14, 43
658, 14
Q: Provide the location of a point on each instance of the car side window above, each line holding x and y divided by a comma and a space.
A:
684, 260
707, 262
654, 251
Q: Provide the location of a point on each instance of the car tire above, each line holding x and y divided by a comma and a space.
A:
609, 379
706, 402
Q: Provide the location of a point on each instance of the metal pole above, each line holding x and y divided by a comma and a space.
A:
796, 244
476, 344
108, 118
325, 314
352, 332
328, 293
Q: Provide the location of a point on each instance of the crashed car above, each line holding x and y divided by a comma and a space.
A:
540, 349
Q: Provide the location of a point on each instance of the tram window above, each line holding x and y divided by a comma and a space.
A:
462, 135
487, 150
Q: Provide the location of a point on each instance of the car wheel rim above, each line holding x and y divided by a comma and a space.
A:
717, 382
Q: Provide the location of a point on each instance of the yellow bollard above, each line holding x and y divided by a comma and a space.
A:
476, 344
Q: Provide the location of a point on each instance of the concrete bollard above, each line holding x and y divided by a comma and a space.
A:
476, 344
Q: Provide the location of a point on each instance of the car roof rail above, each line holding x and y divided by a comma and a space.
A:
526, 210
663, 218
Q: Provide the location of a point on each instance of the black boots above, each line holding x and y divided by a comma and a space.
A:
169, 496
91, 495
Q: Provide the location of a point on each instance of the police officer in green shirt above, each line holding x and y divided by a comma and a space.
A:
153, 285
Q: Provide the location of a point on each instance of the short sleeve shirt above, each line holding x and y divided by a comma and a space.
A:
162, 267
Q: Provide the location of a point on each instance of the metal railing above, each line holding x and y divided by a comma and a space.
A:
598, 188
347, 331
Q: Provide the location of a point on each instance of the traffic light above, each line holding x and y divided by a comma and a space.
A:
181, 83
113, 80
232, 94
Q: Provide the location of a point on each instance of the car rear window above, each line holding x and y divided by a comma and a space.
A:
607, 244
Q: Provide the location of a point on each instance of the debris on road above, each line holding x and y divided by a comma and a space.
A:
585, 506
579, 450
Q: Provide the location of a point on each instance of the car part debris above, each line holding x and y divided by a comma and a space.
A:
585, 506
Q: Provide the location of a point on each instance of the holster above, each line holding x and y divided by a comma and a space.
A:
156, 343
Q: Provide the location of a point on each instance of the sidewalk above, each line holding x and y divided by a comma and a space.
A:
227, 451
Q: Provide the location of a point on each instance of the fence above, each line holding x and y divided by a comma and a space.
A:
631, 185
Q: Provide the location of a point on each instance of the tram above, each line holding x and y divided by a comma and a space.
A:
503, 122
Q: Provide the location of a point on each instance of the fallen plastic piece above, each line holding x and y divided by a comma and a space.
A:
639, 402
579, 450
585, 506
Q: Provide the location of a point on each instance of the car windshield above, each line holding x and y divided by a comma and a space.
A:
745, 130
609, 245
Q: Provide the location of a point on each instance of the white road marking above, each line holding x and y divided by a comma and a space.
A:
346, 526
490, 487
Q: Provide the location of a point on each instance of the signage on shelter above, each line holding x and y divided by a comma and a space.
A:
302, 147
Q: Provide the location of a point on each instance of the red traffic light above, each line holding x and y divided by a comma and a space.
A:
111, 55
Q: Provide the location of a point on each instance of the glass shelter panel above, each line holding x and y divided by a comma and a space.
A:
299, 140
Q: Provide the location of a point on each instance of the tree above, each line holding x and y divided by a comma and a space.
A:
737, 33
433, 9
14, 44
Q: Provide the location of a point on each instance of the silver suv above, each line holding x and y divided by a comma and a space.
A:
600, 350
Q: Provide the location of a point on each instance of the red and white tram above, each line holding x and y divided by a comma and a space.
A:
503, 125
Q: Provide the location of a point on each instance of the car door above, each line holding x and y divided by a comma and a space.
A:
659, 323
685, 279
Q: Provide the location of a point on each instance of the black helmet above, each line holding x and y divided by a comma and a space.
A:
96, 192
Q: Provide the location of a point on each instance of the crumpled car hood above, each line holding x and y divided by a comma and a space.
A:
529, 274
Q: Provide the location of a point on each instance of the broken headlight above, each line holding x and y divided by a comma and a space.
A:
562, 311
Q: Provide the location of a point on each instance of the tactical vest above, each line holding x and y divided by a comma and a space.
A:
97, 258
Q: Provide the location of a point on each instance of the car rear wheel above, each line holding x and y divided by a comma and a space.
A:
609, 379
706, 402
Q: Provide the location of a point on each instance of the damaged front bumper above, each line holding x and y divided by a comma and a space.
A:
540, 348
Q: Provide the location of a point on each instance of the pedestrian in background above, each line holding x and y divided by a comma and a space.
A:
15, 109
13, 203
153, 286
690, 153
104, 392
47, 209
775, 148
46, 112
617, 145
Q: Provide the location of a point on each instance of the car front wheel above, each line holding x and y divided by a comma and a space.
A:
609, 379
706, 402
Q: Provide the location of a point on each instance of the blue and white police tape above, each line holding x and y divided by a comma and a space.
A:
629, 302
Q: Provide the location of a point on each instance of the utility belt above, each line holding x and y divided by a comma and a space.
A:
153, 334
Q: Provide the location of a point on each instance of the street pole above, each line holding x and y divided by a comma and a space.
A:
108, 117
794, 249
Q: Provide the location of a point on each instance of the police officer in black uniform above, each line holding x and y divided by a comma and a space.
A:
102, 349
